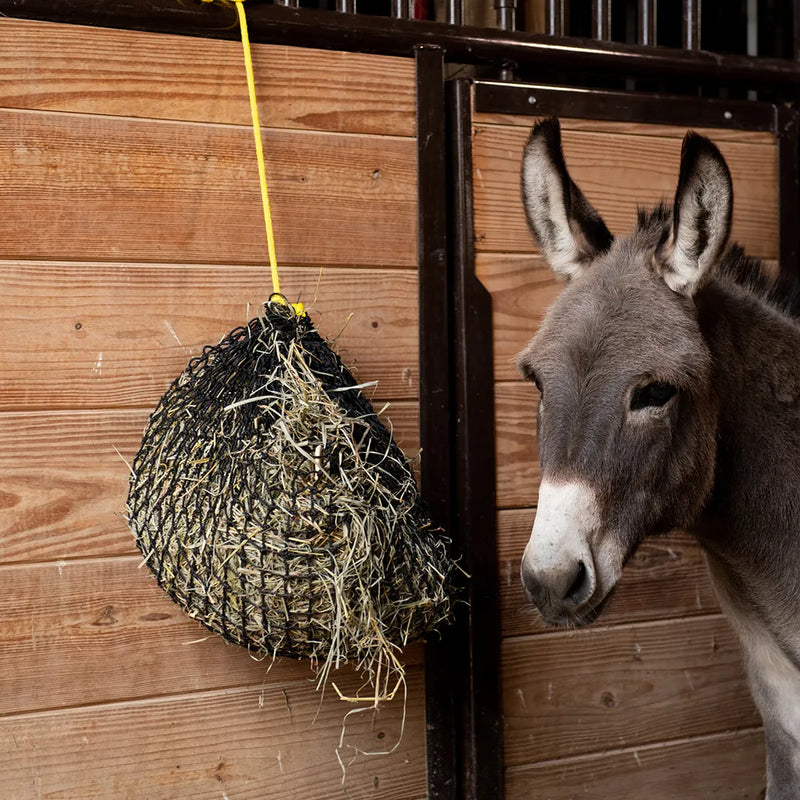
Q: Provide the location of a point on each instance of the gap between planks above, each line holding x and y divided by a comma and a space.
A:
622, 751
135, 702
601, 629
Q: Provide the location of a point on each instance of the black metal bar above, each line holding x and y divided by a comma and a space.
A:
475, 473
506, 11
691, 24
796, 29
504, 98
647, 22
555, 18
454, 13
366, 33
400, 9
346, 6
786, 128
601, 20
442, 661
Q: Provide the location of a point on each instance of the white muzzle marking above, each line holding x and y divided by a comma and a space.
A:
570, 561
567, 518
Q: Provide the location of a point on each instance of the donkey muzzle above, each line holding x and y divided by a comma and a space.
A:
559, 571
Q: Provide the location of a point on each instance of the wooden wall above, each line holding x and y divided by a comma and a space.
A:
131, 236
651, 701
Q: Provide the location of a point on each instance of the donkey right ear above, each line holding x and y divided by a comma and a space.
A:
566, 225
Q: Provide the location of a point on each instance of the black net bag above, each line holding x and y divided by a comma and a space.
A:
273, 506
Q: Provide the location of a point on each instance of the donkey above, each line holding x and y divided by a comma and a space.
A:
669, 380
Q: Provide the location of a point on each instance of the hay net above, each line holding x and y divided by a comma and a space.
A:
273, 505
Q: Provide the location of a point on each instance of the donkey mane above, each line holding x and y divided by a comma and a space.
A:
736, 266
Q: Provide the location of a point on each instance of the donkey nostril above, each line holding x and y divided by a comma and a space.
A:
580, 589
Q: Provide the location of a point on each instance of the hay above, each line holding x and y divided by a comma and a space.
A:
272, 505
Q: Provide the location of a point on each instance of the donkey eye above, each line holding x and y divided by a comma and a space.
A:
654, 394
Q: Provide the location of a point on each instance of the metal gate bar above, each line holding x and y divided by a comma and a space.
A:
365, 33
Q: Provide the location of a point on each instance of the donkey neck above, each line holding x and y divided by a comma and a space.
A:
751, 526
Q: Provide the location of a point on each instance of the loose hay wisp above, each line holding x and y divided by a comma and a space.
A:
273, 505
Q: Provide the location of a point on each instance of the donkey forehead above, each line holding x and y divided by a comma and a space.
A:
619, 315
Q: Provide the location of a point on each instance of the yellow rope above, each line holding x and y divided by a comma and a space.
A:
262, 171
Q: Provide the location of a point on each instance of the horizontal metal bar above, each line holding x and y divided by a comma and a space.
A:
660, 109
364, 33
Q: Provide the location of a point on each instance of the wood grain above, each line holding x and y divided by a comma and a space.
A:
247, 743
100, 336
64, 479
518, 471
667, 577
570, 693
617, 172
78, 187
630, 128
101, 630
523, 288
725, 766
56, 67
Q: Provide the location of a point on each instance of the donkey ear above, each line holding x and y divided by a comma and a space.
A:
566, 225
701, 217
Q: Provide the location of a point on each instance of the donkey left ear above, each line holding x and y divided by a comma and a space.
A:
701, 216
568, 228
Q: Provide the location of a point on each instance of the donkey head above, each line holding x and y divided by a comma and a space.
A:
627, 412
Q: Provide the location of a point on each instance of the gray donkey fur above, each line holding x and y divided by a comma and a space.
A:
670, 380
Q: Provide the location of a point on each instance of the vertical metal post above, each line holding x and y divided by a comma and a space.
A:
647, 28
555, 18
476, 501
454, 13
445, 656
796, 29
288, 3
786, 126
601, 20
400, 9
346, 6
691, 24
506, 11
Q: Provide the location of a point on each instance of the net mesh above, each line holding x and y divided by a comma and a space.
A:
273, 505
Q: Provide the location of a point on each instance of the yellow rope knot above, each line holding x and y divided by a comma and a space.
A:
262, 171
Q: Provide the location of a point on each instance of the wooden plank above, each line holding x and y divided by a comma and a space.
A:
64, 481
630, 128
100, 336
726, 766
617, 172
577, 692
247, 743
667, 577
523, 288
56, 67
101, 630
518, 471
107, 189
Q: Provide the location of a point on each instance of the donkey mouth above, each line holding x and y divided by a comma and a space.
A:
567, 615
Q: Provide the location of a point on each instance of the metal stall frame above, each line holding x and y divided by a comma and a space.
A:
463, 707
473, 363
